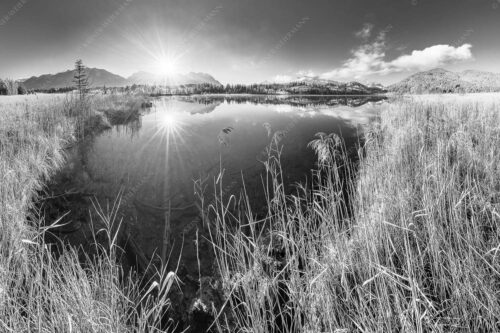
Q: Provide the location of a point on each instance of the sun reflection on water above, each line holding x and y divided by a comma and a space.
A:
170, 122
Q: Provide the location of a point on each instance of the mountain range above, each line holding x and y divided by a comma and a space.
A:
317, 85
100, 77
433, 81
442, 81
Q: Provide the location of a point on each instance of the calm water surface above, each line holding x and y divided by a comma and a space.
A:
154, 162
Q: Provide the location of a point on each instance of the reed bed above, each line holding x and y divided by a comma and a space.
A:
40, 292
120, 109
406, 240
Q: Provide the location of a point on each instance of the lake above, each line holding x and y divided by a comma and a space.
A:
152, 164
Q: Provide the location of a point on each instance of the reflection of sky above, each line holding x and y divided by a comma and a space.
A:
356, 116
187, 133
193, 112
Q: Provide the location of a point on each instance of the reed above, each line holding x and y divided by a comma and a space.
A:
412, 247
40, 292
405, 240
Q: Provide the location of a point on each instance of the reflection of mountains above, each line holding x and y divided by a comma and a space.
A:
352, 101
209, 104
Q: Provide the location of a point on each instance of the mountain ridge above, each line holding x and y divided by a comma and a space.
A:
307, 84
101, 77
439, 80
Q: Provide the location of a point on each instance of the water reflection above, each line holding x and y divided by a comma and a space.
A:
353, 101
131, 128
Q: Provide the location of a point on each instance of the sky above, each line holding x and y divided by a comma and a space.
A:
251, 41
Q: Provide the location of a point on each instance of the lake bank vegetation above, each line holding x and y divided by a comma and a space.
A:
406, 240
415, 249
45, 291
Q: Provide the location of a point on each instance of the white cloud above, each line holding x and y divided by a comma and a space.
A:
308, 73
369, 58
290, 78
282, 79
365, 32
433, 56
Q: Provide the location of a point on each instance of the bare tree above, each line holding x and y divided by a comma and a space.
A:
80, 78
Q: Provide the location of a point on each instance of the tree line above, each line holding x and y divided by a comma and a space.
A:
12, 87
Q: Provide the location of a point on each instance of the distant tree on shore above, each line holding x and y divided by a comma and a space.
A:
3, 88
21, 89
8, 87
80, 78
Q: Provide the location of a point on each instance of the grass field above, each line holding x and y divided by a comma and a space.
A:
415, 249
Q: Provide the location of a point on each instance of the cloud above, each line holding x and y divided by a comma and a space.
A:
290, 78
433, 56
367, 59
306, 73
282, 79
370, 58
365, 32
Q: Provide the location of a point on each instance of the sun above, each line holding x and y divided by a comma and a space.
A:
166, 66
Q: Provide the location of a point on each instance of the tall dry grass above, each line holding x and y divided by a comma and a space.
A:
414, 247
38, 291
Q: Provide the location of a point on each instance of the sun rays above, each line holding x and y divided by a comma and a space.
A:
170, 127
166, 66
171, 123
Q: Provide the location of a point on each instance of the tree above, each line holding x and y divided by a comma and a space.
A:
21, 89
80, 79
8, 87
3, 88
